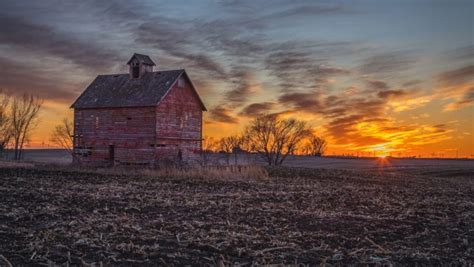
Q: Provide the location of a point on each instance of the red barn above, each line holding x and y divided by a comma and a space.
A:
140, 117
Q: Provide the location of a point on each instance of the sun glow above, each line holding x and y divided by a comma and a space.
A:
381, 151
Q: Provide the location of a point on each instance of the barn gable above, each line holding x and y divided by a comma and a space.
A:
186, 79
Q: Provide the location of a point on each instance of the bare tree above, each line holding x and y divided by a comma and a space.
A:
274, 139
316, 145
5, 127
62, 135
209, 144
230, 145
24, 112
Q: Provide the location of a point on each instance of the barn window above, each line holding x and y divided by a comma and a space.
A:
181, 82
158, 145
135, 70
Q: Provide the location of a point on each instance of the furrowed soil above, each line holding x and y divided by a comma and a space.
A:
293, 216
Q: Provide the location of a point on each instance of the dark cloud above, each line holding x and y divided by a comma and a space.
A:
240, 94
175, 39
440, 127
390, 62
244, 47
47, 58
242, 87
305, 10
331, 106
278, 11
330, 71
377, 85
391, 93
18, 78
308, 102
46, 41
456, 77
288, 61
467, 99
412, 83
257, 109
371, 108
305, 66
204, 61
241, 11
222, 114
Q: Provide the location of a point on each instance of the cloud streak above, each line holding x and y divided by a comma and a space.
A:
222, 114
377, 85
467, 99
458, 76
44, 40
388, 63
257, 109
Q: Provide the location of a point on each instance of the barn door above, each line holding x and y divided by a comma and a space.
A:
111, 155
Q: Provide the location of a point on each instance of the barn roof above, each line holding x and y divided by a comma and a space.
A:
144, 59
119, 90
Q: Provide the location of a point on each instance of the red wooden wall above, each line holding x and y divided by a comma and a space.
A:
179, 122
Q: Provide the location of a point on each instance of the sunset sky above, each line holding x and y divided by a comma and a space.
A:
385, 76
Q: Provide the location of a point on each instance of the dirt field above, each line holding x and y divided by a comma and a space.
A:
292, 216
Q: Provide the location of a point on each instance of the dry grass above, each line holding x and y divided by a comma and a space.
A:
218, 172
214, 173
10, 164
195, 172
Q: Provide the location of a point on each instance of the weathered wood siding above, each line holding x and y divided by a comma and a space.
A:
179, 123
130, 130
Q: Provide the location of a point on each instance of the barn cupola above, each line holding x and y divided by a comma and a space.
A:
139, 65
